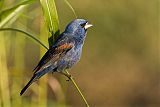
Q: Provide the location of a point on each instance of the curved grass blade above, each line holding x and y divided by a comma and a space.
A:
51, 19
70, 6
11, 14
26, 34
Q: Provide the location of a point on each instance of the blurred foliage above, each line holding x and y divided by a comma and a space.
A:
120, 61
11, 14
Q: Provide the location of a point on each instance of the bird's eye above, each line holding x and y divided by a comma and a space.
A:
82, 25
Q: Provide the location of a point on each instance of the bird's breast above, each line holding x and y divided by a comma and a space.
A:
73, 55
70, 59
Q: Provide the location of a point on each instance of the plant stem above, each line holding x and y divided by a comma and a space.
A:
78, 89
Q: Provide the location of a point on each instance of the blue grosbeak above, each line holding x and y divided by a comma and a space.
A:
65, 52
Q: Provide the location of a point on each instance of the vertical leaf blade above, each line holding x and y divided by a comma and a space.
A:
51, 19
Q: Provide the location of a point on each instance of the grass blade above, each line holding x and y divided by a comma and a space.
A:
10, 14
26, 34
70, 6
51, 18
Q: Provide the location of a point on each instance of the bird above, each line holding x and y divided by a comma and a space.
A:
64, 53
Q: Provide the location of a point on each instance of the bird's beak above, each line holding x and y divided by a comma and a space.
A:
87, 25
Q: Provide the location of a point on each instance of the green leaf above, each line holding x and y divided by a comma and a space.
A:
51, 19
9, 15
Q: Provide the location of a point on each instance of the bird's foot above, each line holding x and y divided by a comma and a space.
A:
52, 73
67, 75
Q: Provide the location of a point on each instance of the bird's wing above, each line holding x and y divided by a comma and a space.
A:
54, 53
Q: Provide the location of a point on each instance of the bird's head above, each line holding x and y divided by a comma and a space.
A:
78, 27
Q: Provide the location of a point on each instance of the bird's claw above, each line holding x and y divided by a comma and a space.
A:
67, 80
69, 77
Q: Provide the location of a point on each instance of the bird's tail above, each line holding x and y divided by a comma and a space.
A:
36, 76
28, 84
